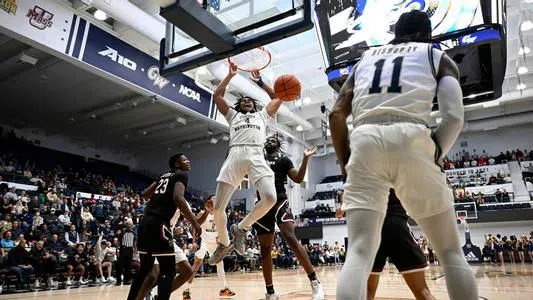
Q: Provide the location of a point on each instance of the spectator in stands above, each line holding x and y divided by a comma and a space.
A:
34, 204
25, 218
51, 218
19, 207
101, 251
16, 230
45, 232
37, 219
86, 215
54, 246
6, 224
51, 196
7, 206
33, 234
78, 261
19, 263
105, 229
44, 263
72, 238
7, 242
64, 219
12, 194
24, 197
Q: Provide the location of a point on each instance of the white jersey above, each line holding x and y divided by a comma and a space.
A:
209, 230
398, 80
247, 129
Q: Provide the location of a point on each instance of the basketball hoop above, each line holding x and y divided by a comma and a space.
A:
256, 59
462, 220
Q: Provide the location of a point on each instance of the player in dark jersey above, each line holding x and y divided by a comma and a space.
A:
281, 214
398, 244
155, 233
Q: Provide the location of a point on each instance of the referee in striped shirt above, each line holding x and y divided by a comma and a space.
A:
125, 257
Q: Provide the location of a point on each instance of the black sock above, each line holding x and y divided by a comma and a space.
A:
312, 276
270, 289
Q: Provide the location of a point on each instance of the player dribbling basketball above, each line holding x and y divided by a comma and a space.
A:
390, 96
245, 156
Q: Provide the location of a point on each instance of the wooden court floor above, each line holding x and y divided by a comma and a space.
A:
508, 282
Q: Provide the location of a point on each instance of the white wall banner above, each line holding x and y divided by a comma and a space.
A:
526, 166
493, 169
490, 189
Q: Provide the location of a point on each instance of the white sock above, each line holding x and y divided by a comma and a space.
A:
221, 274
187, 286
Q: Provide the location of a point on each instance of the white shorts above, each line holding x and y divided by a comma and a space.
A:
180, 255
204, 249
244, 160
401, 156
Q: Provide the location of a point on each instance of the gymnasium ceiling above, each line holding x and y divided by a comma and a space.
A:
97, 112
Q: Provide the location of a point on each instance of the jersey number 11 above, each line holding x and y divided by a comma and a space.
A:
395, 82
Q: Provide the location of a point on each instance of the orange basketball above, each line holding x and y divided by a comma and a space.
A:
287, 87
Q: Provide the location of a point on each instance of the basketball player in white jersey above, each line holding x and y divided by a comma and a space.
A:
209, 244
247, 136
390, 96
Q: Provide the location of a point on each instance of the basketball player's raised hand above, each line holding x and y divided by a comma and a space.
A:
232, 70
310, 151
255, 76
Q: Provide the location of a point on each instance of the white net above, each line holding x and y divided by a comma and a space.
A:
256, 59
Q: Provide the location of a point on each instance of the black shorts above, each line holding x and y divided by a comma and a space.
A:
155, 237
398, 243
279, 213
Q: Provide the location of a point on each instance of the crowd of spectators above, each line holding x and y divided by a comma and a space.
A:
466, 159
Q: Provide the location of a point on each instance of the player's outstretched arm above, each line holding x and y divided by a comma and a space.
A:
256, 77
179, 199
337, 122
220, 91
298, 175
450, 99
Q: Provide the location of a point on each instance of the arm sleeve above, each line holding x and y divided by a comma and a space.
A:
230, 115
265, 114
450, 99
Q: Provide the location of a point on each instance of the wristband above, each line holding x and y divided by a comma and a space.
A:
260, 82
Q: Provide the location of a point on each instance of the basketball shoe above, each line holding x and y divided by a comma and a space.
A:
226, 293
219, 254
239, 239
318, 292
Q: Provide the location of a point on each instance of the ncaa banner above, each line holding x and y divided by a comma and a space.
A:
115, 56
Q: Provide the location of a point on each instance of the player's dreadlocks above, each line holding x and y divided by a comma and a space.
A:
242, 98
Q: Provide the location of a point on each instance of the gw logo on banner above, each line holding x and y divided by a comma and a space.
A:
121, 60
159, 81
190, 93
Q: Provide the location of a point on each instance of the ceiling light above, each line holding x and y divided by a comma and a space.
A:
307, 100
522, 70
100, 15
299, 128
213, 141
181, 120
489, 104
521, 86
526, 25
209, 132
28, 58
145, 132
524, 50
202, 71
93, 116
225, 138
438, 120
